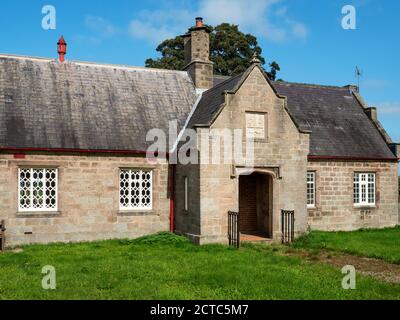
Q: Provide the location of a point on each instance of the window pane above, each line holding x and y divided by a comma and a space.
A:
371, 188
356, 188
135, 189
363, 193
37, 189
186, 194
310, 188
364, 188
50, 188
25, 189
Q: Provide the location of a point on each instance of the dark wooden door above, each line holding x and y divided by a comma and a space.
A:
248, 203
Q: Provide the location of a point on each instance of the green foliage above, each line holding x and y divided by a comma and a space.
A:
374, 243
162, 238
156, 268
230, 49
173, 55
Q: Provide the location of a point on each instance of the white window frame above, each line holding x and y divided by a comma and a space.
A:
311, 186
31, 208
186, 194
363, 185
141, 207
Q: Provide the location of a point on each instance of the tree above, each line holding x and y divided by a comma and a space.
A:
230, 49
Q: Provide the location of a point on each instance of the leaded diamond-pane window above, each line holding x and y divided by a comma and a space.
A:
37, 189
135, 189
364, 188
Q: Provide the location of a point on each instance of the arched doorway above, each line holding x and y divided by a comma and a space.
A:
255, 205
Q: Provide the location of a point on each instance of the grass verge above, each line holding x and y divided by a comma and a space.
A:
380, 244
166, 266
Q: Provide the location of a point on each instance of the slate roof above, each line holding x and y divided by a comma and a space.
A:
212, 101
335, 117
219, 79
338, 123
45, 104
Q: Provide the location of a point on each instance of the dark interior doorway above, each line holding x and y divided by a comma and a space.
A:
255, 205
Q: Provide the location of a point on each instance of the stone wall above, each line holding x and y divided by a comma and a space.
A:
335, 209
282, 155
88, 200
197, 57
187, 222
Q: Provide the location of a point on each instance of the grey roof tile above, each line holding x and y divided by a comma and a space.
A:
46, 104
337, 121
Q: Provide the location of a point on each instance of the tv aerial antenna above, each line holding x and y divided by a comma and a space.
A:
359, 74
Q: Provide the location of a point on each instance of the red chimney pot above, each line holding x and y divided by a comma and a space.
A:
61, 49
199, 22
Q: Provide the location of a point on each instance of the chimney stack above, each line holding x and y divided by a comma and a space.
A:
61, 49
199, 22
197, 55
395, 147
372, 113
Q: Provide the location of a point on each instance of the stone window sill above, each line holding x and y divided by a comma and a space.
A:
38, 214
365, 207
258, 140
134, 213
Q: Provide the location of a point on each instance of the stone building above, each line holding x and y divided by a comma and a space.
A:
75, 166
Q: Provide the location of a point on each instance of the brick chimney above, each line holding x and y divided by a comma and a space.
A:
61, 49
197, 55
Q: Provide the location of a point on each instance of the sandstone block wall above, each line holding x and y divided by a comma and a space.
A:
282, 154
335, 209
88, 200
187, 222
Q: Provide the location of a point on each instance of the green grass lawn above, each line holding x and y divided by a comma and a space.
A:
381, 244
168, 267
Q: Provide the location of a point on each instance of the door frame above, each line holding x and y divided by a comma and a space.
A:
273, 174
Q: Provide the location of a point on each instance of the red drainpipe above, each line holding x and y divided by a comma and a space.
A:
172, 200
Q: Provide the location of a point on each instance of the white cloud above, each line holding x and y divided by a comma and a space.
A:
261, 17
282, 11
101, 26
299, 29
156, 26
267, 19
375, 84
87, 40
389, 108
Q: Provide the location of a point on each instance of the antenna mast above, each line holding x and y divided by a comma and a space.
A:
359, 74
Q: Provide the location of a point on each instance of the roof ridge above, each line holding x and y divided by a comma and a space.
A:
94, 64
221, 76
226, 81
311, 85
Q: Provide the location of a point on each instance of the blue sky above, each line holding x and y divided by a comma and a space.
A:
304, 36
